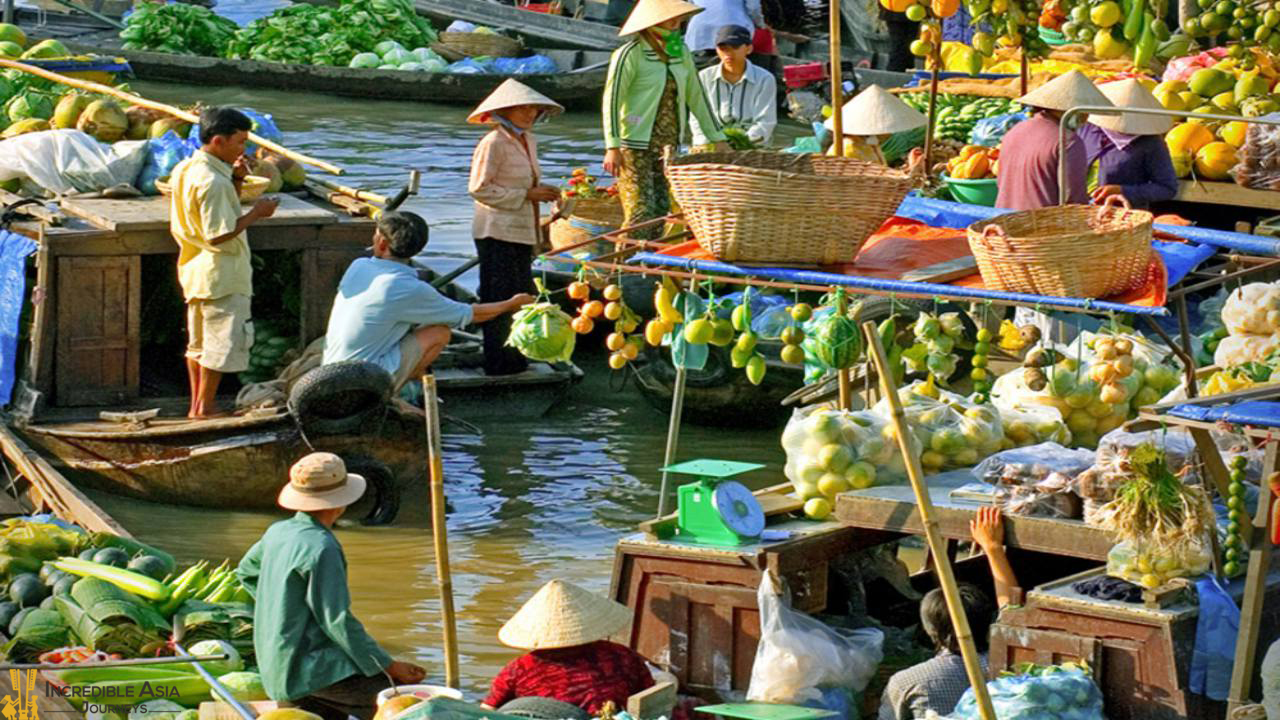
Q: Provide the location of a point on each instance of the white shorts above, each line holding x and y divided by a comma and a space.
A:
220, 333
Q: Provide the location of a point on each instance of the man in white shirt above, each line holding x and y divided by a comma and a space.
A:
742, 94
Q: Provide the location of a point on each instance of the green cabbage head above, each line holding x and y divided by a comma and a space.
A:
541, 331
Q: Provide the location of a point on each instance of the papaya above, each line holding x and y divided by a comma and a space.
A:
1215, 160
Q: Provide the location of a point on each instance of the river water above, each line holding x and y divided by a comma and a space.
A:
528, 501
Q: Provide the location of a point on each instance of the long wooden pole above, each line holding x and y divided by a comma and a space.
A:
673, 434
439, 531
161, 107
937, 546
844, 383
837, 80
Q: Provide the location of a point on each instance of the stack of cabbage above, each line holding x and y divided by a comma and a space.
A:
1252, 318
391, 55
309, 34
1063, 692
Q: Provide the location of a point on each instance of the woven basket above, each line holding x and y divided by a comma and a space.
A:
769, 208
1066, 251
456, 46
601, 211
576, 229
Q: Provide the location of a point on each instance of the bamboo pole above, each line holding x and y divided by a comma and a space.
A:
842, 376
937, 546
673, 435
161, 107
837, 80
357, 193
1024, 72
439, 531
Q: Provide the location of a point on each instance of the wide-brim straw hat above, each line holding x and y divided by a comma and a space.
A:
1130, 93
512, 93
562, 614
1065, 92
320, 481
648, 13
876, 111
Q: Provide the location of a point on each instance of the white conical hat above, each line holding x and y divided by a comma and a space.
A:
1065, 92
512, 93
562, 614
1131, 93
876, 111
648, 13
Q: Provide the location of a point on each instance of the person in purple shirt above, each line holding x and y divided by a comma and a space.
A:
1133, 160
1028, 177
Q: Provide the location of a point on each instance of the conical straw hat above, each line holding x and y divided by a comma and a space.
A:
1065, 92
562, 614
1131, 93
876, 111
648, 13
512, 93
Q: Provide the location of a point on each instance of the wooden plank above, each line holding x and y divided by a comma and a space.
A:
1212, 459
1255, 589
40, 367
97, 331
653, 703
36, 210
1226, 193
944, 272
67, 502
152, 213
94, 241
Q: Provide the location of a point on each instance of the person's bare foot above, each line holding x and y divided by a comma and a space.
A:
210, 416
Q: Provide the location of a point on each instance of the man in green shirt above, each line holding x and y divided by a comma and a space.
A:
311, 649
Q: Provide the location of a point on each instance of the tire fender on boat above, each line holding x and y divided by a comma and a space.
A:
381, 483
339, 398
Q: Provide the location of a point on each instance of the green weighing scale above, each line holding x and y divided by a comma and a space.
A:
764, 711
715, 510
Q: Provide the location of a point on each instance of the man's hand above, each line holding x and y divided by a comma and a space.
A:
613, 162
403, 673
264, 208
987, 528
518, 301
1105, 191
543, 193
240, 170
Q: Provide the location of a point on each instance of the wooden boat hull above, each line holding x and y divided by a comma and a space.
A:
720, 395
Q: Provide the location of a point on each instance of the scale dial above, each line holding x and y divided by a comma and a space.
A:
738, 508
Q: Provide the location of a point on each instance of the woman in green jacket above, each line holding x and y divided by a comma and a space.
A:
652, 87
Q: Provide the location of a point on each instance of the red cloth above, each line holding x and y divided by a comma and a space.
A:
584, 675
762, 42
1029, 166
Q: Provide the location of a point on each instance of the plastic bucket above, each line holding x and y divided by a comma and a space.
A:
426, 692
974, 192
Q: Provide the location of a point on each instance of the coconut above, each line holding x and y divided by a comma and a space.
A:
140, 121
13, 34
292, 173
46, 49
28, 105
104, 120
11, 50
181, 128
22, 127
69, 109
263, 168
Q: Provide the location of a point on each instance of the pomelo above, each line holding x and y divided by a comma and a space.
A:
46, 49
11, 50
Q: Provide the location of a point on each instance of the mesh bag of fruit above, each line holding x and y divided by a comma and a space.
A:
830, 451
952, 431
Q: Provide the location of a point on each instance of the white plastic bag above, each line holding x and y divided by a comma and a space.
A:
830, 451
1271, 681
799, 657
66, 161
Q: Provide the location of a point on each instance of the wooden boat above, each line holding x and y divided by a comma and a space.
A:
581, 84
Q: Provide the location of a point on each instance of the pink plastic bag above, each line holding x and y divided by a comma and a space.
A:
1182, 68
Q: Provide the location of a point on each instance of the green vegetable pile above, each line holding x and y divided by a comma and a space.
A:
177, 28
738, 139
542, 331
310, 34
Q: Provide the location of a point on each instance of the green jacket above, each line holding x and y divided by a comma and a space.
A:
304, 633
632, 91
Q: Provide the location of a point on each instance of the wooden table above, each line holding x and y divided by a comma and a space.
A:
1226, 193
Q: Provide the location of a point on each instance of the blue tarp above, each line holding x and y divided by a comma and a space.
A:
1257, 413
14, 249
71, 65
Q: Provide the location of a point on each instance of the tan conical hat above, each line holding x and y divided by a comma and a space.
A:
562, 614
1131, 93
512, 93
648, 13
876, 111
1065, 92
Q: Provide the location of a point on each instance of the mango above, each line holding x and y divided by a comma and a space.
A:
1208, 82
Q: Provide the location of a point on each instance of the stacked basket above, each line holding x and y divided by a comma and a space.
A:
766, 208
454, 46
1067, 251
588, 218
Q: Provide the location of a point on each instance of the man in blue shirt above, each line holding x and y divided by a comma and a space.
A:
385, 315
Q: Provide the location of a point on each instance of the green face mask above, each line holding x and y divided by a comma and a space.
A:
674, 42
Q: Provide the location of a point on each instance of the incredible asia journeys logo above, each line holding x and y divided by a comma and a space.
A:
21, 704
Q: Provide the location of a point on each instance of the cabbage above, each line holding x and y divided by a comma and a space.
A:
218, 647
414, 66
398, 56
29, 105
435, 66
425, 54
387, 46
542, 331
156, 710
245, 686
365, 60
388, 67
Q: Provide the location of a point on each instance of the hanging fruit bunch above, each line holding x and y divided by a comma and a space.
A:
930, 14
936, 337
1116, 28
744, 354
793, 335
980, 376
709, 329
589, 310
1006, 24
664, 299
1235, 545
833, 340
623, 347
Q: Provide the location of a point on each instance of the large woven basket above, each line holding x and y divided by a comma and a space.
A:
766, 208
1067, 251
601, 211
456, 45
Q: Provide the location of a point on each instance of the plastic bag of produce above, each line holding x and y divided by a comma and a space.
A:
952, 431
800, 658
66, 161
988, 132
1252, 309
531, 65
1271, 681
461, 26
1031, 424
1236, 350
830, 451
1051, 497
1152, 565
542, 331
163, 155
1052, 693
1033, 464
467, 66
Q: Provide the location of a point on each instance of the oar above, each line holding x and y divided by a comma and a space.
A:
161, 107
410, 188
439, 530
454, 273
